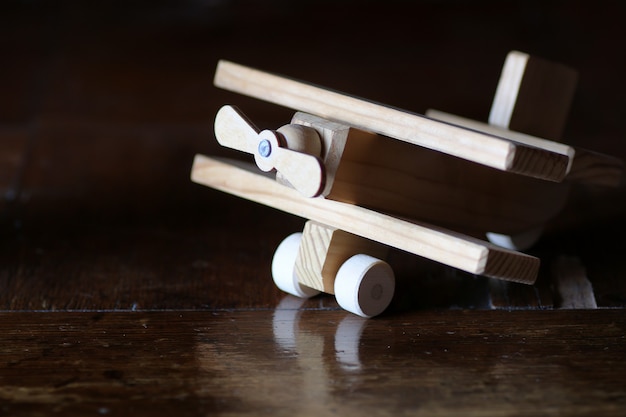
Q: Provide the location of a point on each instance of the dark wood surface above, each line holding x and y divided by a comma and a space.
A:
288, 362
128, 289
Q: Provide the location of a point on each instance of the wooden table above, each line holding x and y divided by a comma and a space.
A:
128, 289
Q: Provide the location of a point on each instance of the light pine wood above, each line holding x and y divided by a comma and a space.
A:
504, 132
333, 137
300, 138
324, 249
585, 166
533, 96
312, 256
303, 171
409, 181
233, 129
507, 90
478, 147
450, 248
395, 177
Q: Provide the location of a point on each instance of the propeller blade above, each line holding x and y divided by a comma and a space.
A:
303, 171
234, 130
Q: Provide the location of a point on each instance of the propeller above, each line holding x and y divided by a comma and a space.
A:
305, 172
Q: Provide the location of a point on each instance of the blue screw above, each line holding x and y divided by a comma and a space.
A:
265, 148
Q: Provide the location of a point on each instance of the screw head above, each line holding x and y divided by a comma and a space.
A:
265, 148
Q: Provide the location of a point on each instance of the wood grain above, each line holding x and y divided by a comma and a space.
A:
586, 167
497, 130
324, 249
450, 248
534, 96
413, 182
111, 102
333, 140
416, 129
288, 361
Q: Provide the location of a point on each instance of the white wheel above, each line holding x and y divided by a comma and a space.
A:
283, 268
521, 241
364, 285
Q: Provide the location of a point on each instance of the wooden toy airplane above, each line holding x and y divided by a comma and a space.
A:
369, 177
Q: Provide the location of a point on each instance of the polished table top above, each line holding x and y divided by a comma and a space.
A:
287, 361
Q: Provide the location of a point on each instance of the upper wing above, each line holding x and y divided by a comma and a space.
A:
490, 150
585, 166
